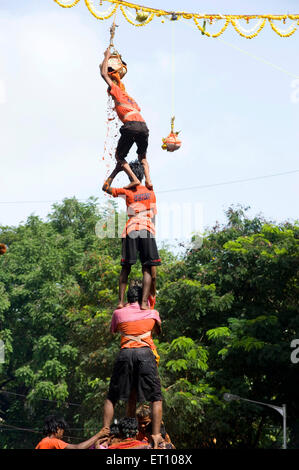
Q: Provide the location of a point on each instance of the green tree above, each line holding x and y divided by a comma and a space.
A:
244, 280
228, 309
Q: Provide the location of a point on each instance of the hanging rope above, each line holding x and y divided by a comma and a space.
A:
172, 69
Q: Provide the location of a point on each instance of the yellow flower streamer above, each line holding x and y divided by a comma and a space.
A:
101, 17
188, 16
63, 5
212, 35
282, 35
250, 36
150, 18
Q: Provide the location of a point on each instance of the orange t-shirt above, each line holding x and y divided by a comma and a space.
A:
128, 444
124, 104
131, 320
141, 208
51, 443
136, 328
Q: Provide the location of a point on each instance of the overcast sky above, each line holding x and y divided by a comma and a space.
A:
236, 104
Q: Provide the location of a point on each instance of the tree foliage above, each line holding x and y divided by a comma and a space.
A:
229, 313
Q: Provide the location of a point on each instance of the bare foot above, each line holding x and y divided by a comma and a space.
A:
144, 306
120, 305
132, 184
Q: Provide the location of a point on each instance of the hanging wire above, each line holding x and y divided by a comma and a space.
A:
250, 54
172, 69
10, 427
40, 399
245, 180
186, 188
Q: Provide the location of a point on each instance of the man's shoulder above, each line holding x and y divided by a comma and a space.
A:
141, 189
127, 308
114, 88
120, 192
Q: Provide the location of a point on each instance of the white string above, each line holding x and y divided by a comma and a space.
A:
172, 69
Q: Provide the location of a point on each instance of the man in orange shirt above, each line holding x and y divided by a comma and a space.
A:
134, 128
135, 374
138, 234
54, 430
128, 429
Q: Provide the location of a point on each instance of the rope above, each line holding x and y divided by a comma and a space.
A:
112, 30
254, 56
259, 59
172, 69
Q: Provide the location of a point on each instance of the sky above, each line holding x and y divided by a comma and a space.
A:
236, 103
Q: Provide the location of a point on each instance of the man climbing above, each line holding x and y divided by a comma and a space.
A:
138, 234
135, 373
134, 128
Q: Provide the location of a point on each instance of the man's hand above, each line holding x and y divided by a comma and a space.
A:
156, 440
149, 185
107, 184
104, 67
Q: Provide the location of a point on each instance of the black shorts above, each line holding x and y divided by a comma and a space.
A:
141, 241
135, 368
132, 131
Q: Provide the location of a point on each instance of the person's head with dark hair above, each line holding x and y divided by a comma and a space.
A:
113, 437
144, 417
137, 168
114, 430
128, 427
54, 426
135, 282
144, 411
134, 294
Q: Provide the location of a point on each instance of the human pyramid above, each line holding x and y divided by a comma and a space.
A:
135, 375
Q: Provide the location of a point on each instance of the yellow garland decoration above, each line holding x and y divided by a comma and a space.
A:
67, 6
187, 16
132, 22
99, 17
286, 35
245, 35
212, 35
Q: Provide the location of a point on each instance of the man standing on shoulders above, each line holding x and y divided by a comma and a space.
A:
139, 233
135, 373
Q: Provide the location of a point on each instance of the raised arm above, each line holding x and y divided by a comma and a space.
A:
107, 184
104, 67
